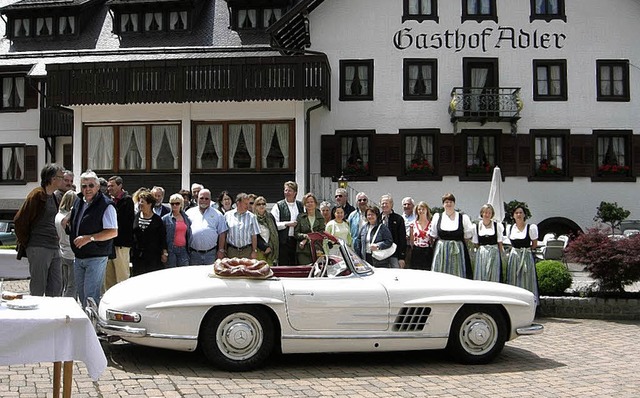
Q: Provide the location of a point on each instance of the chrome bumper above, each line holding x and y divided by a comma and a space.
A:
534, 328
102, 327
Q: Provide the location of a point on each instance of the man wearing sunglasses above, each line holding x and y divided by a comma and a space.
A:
92, 227
342, 200
358, 217
37, 235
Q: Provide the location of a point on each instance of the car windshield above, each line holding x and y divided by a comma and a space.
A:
359, 265
4, 226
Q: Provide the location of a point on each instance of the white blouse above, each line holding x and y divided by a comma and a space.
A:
451, 225
487, 231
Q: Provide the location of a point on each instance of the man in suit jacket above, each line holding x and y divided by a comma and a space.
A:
395, 223
160, 208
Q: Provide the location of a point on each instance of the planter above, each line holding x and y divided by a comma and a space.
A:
626, 309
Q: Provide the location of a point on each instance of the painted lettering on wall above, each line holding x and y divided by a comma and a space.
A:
504, 37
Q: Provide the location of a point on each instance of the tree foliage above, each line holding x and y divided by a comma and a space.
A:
614, 263
511, 206
611, 214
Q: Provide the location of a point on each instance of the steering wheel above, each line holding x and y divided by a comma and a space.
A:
319, 268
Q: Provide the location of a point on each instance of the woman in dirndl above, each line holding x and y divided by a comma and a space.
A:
521, 266
451, 229
488, 237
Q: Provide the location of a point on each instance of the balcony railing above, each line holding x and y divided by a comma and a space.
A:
485, 104
203, 80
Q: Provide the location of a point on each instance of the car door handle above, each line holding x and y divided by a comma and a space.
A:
301, 294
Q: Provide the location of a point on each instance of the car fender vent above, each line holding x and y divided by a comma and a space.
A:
411, 319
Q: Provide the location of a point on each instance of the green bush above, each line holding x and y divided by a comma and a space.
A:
553, 277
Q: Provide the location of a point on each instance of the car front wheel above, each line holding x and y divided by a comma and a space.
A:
238, 338
477, 335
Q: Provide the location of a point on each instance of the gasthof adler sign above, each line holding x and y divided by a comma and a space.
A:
499, 37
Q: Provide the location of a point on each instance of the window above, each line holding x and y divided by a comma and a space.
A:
418, 153
356, 80
129, 23
21, 27
613, 80
355, 148
547, 10
613, 154
133, 148
243, 146
153, 22
270, 16
420, 10
13, 163
480, 154
44, 26
420, 79
479, 10
178, 20
66, 25
550, 153
550, 80
13, 92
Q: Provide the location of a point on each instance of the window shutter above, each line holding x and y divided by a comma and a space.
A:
635, 153
329, 155
30, 94
31, 163
581, 155
450, 154
508, 159
386, 155
524, 155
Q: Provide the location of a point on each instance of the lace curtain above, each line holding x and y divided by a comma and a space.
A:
132, 148
21, 27
546, 6
363, 73
129, 19
44, 26
478, 7
550, 150
419, 7
100, 148
282, 132
158, 133
248, 132
247, 19
153, 21
424, 72
549, 82
611, 151
479, 149
13, 163
611, 80
67, 25
478, 80
203, 132
175, 17
411, 148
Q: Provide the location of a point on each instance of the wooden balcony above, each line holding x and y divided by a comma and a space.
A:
56, 122
297, 78
486, 104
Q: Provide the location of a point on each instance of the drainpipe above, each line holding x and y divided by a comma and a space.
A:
307, 147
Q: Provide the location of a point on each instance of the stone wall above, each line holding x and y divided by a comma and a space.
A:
589, 308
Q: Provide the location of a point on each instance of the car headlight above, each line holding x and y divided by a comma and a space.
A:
123, 316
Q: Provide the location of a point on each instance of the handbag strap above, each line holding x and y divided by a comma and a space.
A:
375, 235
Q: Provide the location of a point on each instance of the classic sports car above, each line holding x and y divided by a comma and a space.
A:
340, 303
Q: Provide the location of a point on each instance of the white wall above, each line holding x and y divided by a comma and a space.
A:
364, 29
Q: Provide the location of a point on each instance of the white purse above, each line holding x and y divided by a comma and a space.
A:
382, 254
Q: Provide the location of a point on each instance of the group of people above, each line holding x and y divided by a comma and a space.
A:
79, 244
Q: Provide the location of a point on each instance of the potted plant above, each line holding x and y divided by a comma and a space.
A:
419, 167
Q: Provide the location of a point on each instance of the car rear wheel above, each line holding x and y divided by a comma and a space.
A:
477, 335
238, 338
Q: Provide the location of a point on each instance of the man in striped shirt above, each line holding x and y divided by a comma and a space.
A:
243, 229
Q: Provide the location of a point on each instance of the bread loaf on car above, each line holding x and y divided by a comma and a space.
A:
241, 267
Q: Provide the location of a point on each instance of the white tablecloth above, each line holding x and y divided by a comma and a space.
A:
57, 331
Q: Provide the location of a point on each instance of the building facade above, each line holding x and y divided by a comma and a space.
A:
409, 97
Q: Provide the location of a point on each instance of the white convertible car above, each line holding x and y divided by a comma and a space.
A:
338, 304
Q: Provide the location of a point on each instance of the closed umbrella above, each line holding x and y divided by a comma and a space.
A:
495, 195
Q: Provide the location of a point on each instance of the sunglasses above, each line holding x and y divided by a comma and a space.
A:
362, 200
338, 196
261, 204
175, 204
85, 186
251, 203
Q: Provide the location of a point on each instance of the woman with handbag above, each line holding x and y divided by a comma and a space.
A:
375, 244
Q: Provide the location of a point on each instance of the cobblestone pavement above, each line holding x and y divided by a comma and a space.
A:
573, 358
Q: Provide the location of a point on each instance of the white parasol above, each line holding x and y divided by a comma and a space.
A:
495, 195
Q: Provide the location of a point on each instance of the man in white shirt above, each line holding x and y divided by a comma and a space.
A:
208, 231
286, 212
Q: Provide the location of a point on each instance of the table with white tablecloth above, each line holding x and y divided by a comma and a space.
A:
56, 331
